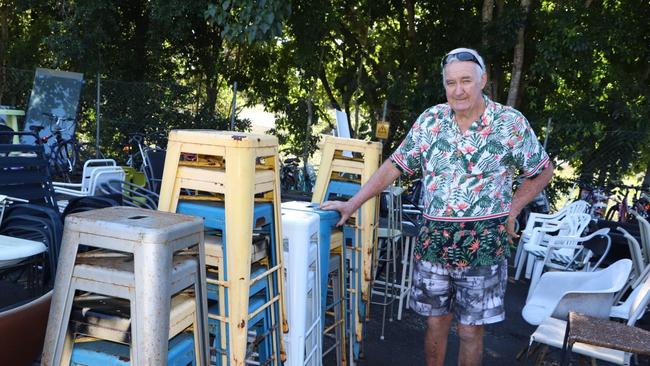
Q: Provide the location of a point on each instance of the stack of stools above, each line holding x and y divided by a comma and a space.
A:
300, 232
232, 180
154, 260
345, 164
332, 276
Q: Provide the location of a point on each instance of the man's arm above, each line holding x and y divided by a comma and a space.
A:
382, 178
525, 193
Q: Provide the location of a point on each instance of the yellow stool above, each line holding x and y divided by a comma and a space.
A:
366, 156
237, 168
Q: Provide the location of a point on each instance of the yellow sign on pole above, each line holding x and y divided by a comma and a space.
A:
381, 132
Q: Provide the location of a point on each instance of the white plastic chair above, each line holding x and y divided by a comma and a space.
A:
552, 330
15, 250
636, 255
644, 231
544, 220
95, 172
569, 233
559, 292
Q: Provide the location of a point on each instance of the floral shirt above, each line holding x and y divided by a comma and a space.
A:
468, 176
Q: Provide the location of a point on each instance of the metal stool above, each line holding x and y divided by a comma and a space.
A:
147, 273
301, 262
235, 168
364, 161
330, 249
336, 307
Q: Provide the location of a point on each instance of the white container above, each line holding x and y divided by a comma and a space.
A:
300, 232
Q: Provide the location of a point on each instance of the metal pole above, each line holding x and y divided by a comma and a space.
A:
234, 106
97, 117
305, 147
383, 115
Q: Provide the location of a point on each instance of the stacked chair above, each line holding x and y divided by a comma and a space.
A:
25, 175
96, 172
232, 181
346, 164
546, 222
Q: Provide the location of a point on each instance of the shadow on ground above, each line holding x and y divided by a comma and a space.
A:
503, 341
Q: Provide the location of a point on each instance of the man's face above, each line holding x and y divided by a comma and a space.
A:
463, 86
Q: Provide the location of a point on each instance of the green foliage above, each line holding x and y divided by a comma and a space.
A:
249, 21
586, 68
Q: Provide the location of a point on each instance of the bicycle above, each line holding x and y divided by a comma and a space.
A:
62, 152
621, 209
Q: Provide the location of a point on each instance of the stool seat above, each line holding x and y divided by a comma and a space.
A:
223, 138
133, 225
109, 318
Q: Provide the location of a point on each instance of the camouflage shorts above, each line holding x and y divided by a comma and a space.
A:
474, 294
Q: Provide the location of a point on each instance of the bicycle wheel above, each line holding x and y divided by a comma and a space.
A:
611, 212
65, 160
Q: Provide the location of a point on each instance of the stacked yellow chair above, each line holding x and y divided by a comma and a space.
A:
337, 165
237, 169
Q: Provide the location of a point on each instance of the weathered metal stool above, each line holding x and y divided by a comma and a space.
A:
237, 169
147, 272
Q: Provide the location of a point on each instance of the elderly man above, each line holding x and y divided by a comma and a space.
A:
468, 150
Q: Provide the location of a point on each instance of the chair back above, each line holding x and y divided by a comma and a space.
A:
576, 207
637, 301
644, 231
635, 252
25, 173
104, 175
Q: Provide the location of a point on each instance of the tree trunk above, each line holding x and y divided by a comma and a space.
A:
4, 44
487, 14
412, 36
518, 58
326, 85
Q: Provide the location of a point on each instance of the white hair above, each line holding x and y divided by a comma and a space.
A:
480, 67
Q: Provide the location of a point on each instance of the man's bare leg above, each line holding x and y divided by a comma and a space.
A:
435, 340
470, 352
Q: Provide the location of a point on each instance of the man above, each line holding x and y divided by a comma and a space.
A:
468, 151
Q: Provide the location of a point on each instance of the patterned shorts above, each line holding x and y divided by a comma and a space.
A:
474, 294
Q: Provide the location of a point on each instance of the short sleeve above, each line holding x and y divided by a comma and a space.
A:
528, 153
408, 156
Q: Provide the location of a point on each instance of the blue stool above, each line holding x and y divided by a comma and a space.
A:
214, 215
261, 323
105, 353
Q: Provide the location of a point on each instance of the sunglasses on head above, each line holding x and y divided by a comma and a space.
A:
460, 56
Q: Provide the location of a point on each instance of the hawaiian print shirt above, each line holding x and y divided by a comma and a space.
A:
468, 176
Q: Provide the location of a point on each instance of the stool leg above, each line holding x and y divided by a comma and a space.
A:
152, 303
172, 156
57, 324
324, 174
201, 290
403, 287
239, 201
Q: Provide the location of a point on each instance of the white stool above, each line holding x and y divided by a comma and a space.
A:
148, 279
300, 231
